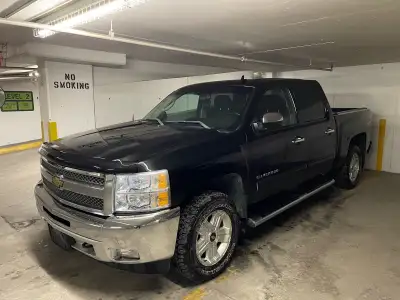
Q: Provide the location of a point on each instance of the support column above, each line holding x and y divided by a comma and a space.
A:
66, 99
49, 128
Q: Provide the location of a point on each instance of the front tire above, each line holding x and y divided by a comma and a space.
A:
350, 173
207, 237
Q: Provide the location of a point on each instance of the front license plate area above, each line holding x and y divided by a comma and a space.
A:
61, 239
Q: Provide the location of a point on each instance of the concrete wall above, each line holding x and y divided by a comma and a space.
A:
118, 103
19, 127
376, 87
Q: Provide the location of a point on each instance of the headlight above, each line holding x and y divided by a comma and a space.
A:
142, 191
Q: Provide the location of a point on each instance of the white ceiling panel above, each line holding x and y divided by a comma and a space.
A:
344, 32
4, 4
241, 26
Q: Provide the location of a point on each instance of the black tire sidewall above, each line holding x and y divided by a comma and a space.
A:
185, 259
355, 149
213, 271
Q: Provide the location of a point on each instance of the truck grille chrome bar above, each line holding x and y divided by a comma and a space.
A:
75, 188
75, 175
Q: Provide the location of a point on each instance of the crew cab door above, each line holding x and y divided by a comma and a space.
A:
275, 162
317, 125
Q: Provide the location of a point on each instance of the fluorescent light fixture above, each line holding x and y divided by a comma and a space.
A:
88, 14
36, 8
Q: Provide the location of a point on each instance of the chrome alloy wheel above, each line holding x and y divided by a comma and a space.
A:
213, 238
354, 167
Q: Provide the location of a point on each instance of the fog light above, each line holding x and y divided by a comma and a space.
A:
126, 254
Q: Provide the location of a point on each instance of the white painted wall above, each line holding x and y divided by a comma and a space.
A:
71, 107
117, 103
376, 87
138, 70
19, 127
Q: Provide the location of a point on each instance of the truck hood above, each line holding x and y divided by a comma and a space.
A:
125, 144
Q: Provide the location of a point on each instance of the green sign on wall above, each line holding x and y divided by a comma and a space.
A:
10, 106
18, 101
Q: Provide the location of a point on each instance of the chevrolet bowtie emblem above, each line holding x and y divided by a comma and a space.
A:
57, 181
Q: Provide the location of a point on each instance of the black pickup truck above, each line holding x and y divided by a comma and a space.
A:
177, 187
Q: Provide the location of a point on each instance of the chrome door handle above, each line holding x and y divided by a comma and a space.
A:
329, 131
298, 140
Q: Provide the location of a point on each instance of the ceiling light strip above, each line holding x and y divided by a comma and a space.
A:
152, 44
87, 14
57, 5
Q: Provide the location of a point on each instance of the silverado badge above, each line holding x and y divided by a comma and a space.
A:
57, 181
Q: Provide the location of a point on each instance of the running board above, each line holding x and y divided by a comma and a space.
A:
258, 220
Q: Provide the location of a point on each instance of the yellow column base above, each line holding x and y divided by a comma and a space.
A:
53, 135
381, 143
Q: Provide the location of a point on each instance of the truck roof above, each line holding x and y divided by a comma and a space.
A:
249, 82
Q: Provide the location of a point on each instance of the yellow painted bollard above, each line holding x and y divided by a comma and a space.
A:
381, 143
53, 135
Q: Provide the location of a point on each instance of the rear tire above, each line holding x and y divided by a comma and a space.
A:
350, 173
207, 237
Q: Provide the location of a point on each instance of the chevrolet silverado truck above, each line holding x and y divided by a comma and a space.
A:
176, 188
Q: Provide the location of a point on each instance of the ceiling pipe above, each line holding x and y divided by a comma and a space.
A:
33, 75
289, 48
152, 44
18, 68
14, 78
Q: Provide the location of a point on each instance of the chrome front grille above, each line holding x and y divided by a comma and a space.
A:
75, 188
73, 175
75, 198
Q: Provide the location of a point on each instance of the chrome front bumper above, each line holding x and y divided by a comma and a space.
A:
124, 240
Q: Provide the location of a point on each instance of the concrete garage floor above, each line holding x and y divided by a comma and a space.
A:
339, 245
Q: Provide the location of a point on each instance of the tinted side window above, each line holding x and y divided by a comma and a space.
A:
310, 101
184, 103
275, 101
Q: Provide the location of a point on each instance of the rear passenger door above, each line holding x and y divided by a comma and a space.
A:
317, 126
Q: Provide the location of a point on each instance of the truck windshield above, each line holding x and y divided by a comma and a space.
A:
217, 107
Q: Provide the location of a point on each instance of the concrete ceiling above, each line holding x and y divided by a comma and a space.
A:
4, 4
344, 32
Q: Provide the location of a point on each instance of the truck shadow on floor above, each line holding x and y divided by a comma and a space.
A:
308, 218
84, 275
89, 277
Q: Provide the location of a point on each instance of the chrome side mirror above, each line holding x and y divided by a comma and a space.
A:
272, 117
2, 97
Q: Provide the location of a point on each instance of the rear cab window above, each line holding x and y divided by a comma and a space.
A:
310, 101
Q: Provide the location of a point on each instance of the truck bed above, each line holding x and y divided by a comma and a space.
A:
349, 123
339, 110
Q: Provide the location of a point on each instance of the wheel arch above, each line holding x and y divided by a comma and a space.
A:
232, 185
360, 140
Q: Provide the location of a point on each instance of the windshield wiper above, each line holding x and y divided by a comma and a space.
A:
191, 122
154, 120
